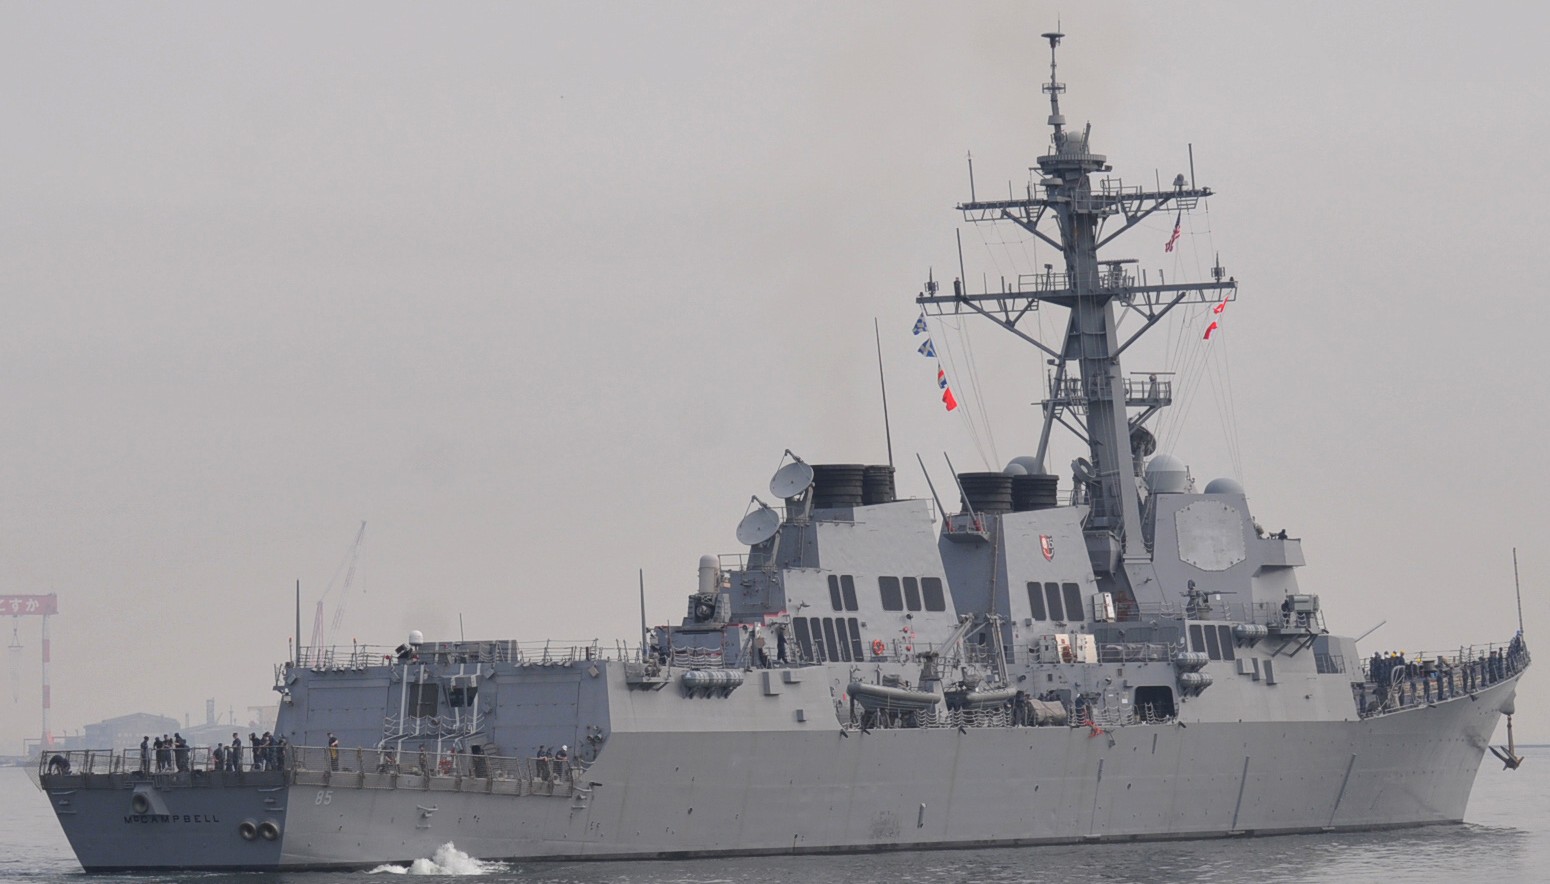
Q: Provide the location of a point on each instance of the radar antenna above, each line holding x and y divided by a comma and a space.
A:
1053, 89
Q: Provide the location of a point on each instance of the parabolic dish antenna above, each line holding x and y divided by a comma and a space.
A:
791, 480
758, 526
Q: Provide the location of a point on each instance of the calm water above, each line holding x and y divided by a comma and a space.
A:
1507, 839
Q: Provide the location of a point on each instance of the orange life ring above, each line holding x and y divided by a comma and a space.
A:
878, 647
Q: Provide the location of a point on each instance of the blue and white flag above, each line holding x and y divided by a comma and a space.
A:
920, 324
926, 349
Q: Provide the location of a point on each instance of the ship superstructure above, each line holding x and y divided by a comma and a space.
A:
1123, 658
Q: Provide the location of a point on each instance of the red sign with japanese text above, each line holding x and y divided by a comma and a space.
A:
18, 605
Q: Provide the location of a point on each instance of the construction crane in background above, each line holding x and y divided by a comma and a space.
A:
319, 634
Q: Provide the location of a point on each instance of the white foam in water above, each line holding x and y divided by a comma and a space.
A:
447, 860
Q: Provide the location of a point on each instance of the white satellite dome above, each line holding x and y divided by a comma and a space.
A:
1166, 474
1224, 485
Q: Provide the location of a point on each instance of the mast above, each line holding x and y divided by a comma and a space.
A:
1093, 401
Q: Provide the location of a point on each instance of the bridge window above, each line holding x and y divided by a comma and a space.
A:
855, 639
1036, 600
836, 650
1213, 643
1225, 633
842, 592
1074, 607
893, 599
931, 588
820, 653
848, 592
1057, 611
911, 594
804, 638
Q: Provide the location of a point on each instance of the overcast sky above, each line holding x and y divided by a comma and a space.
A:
542, 292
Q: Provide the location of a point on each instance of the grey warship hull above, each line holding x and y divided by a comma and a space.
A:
779, 788
811, 793
1127, 658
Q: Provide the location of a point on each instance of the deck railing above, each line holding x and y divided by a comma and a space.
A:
320, 765
1392, 682
504, 651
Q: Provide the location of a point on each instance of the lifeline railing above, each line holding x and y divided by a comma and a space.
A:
502, 651
1391, 682
321, 765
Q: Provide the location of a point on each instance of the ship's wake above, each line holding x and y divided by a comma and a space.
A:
447, 860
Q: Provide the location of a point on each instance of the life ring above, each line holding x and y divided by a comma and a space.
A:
878, 647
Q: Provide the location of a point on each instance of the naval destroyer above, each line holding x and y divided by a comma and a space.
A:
1109, 654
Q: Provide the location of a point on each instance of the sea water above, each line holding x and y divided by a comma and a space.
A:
1505, 838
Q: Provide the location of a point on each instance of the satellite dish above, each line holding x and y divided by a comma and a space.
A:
791, 480
758, 526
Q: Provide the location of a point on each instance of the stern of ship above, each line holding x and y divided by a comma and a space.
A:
119, 817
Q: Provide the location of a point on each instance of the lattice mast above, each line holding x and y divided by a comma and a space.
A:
1095, 403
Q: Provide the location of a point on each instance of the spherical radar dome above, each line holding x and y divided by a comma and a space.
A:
1224, 485
1166, 474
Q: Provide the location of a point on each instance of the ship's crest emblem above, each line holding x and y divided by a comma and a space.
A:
1047, 544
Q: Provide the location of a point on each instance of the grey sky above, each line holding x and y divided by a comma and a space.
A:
542, 292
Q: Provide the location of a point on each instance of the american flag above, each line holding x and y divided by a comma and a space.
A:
1178, 219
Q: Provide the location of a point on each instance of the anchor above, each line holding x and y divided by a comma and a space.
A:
1508, 754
